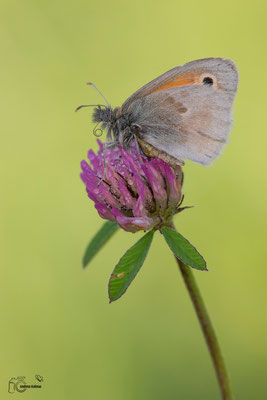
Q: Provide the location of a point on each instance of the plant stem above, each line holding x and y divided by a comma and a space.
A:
208, 331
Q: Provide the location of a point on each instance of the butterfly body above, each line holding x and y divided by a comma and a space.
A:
185, 113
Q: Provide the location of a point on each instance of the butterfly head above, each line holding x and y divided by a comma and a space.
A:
102, 114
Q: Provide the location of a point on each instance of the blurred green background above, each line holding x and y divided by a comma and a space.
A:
55, 317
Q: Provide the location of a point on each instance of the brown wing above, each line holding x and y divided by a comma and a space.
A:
192, 73
188, 120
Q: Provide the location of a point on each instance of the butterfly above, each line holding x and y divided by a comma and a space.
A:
186, 113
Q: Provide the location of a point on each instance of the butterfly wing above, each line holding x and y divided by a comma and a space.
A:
187, 111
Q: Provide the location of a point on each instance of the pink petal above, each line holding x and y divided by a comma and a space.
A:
157, 184
104, 212
173, 187
94, 159
125, 197
139, 209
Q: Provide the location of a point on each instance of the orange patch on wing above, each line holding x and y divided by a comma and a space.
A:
185, 79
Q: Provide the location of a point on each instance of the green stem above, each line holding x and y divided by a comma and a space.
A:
207, 330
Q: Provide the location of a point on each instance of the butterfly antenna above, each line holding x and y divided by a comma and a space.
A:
90, 105
91, 84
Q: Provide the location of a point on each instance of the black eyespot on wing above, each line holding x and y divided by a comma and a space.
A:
207, 81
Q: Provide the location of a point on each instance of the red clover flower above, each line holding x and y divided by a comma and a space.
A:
137, 193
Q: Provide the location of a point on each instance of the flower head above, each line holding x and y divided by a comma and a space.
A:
139, 194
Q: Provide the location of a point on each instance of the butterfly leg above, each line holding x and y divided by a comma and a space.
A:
138, 149
105, 166
106, 145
